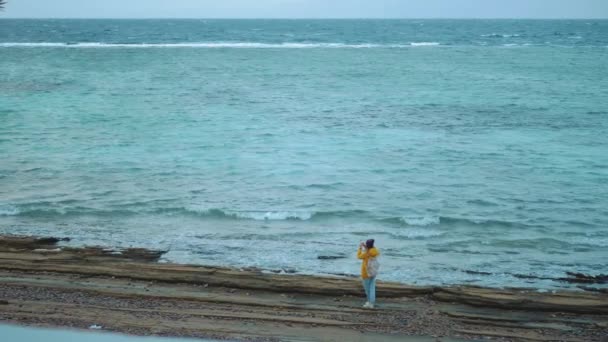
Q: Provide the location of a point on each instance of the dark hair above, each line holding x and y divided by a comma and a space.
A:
369, 244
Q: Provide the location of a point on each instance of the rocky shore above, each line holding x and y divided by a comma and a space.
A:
45, 284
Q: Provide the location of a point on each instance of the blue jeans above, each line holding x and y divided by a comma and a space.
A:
369, 285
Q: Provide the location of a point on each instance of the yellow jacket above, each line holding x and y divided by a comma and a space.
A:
365, 255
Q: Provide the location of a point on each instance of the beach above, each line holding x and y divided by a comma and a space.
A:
44, 283
212, 178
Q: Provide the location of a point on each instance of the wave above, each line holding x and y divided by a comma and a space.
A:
421, 221
425, 44
242, 45
211, 45
415, 234
33, 211
269, 215
424, 221
8, 210
262, 215
38, 211
513, 44
283, 45
496, 35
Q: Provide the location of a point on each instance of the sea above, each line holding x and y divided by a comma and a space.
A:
473, 151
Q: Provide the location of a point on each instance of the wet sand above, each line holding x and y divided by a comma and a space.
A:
128, 291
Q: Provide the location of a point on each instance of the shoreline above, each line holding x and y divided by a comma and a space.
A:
128, 291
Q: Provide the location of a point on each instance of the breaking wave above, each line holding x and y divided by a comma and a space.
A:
44, 211
211, 45
425, 44
497, 35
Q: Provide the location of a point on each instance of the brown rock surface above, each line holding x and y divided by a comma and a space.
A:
128, 291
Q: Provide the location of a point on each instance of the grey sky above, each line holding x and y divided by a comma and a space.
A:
306, 9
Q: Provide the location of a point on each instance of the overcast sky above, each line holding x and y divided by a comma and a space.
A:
306, 9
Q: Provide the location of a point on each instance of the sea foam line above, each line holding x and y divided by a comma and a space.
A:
421, 220
211, 45
425, 44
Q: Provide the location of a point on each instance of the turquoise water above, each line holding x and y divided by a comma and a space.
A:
458, 145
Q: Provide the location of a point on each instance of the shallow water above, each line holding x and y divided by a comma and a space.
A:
459, 145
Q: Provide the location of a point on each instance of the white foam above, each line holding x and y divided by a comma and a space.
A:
259, 215
418, 233
210, 45
519, 45
32, 44
501, 35
56, 250
274, 215
425, 44
421, 220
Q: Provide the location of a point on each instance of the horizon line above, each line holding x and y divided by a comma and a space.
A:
307, 18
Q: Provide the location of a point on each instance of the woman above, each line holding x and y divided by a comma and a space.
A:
368, 252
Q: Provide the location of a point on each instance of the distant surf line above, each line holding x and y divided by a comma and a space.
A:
210, 45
